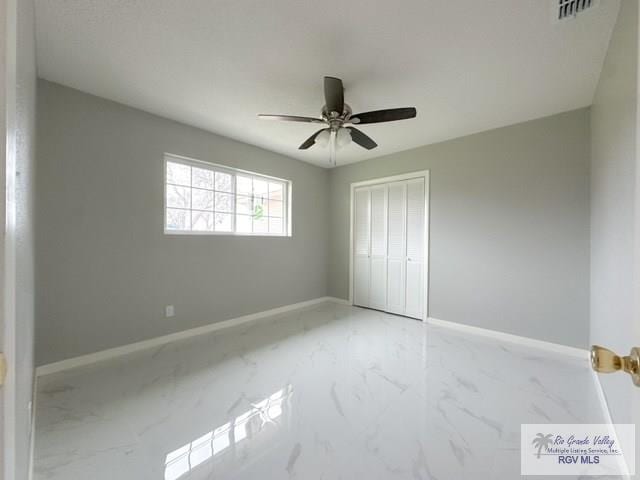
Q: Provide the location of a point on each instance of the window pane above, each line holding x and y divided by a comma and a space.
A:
243, 185
202, 221
178, 197
178, 174
224, 202
260, 225
275, 191
240, 432
201, 178
223, 182
260, 188
223, 222
178, 219
180, 452
243, 224
220, 442
275, 225
244, 205
202, 199
259, 208
275, 208
200, 454
176, 469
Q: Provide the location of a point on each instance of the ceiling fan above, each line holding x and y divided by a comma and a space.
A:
339, 120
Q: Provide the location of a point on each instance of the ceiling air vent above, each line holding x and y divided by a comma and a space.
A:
571, 8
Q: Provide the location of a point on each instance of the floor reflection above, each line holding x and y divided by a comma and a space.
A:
246, 426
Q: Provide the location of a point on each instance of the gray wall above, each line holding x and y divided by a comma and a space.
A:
105, 270
509, 229
613, 195
509, 234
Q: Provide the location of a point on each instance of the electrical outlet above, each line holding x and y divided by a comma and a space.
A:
169, 311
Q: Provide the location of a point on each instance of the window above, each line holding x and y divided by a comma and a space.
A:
202, 198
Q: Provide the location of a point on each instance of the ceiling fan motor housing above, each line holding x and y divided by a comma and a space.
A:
335, 120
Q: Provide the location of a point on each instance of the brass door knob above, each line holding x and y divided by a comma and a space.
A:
604, 360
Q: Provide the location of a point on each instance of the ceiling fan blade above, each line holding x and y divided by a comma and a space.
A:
290, 118
388, 115
361, 139
311, 140
334, 94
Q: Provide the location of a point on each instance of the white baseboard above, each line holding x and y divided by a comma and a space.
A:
110, 353
507, 337
341, 301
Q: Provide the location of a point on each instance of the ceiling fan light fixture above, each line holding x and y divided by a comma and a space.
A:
343, 137
322, 140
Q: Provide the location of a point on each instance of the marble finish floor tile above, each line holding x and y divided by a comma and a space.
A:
334, 392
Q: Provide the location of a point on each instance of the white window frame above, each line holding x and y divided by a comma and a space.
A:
286, 197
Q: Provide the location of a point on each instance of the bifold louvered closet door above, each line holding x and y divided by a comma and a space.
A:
389, 239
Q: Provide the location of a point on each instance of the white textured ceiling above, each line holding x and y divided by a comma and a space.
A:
466, 65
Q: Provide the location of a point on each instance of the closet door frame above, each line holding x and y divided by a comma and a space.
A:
395, 178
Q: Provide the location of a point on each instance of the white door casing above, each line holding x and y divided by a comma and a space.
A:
8, 92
